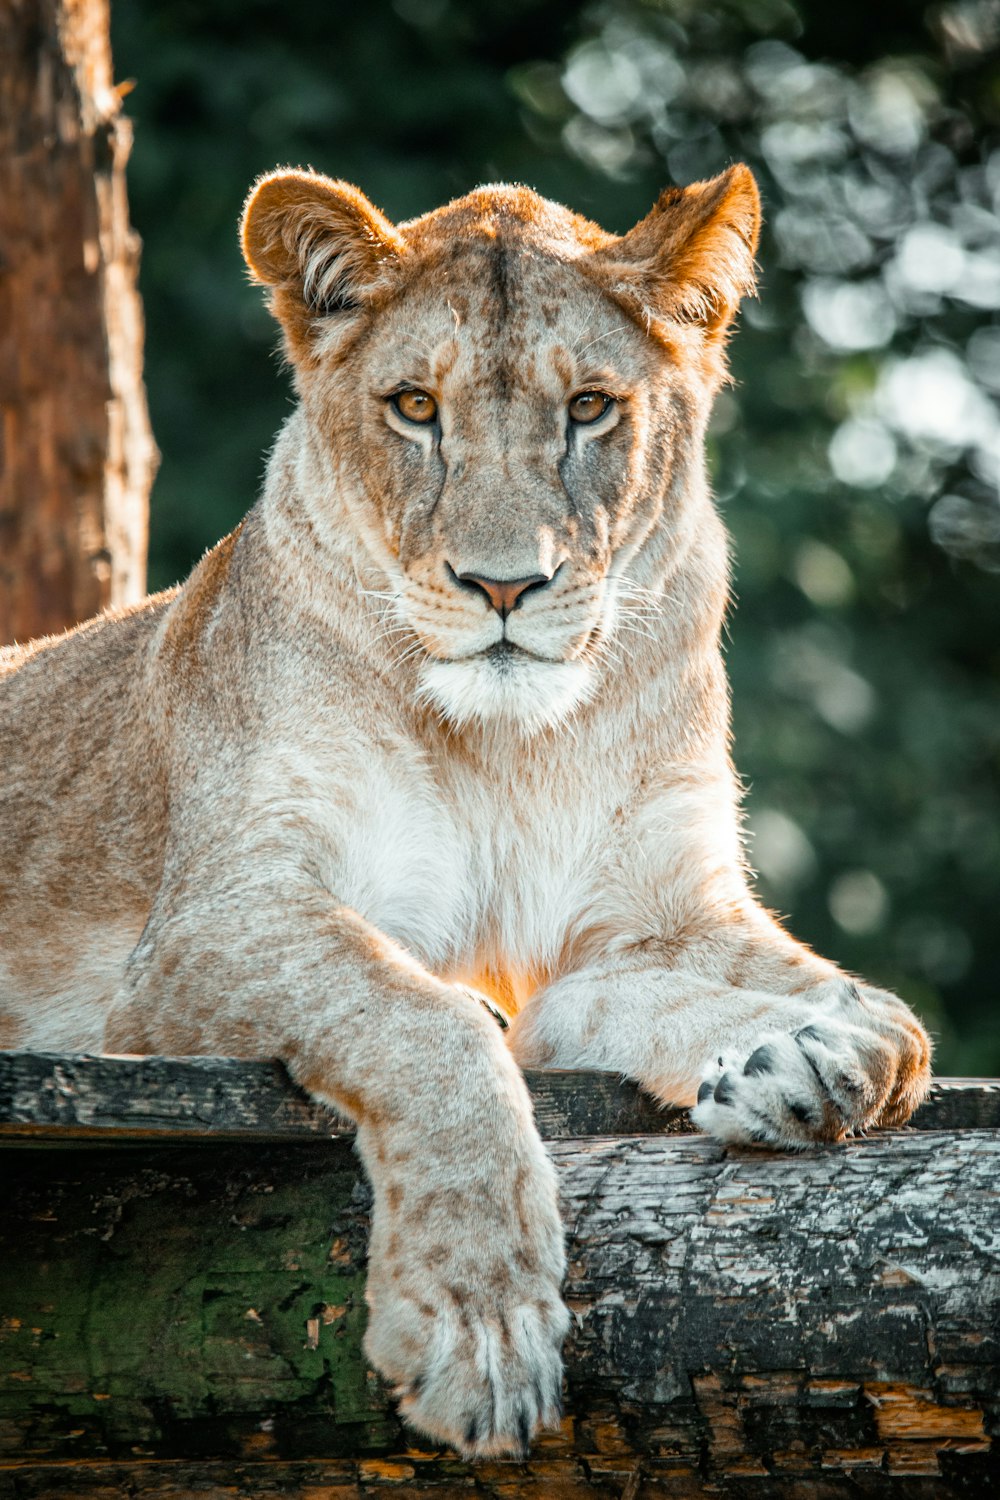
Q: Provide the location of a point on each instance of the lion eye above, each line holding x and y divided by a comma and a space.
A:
588, 406
415, 406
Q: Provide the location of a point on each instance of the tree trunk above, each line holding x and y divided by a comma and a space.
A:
76, 452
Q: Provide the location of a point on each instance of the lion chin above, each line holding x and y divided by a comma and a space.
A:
514, 690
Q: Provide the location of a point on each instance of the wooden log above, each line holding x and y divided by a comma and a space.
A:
76, 453
180, 1318
45, 1095
188, 1098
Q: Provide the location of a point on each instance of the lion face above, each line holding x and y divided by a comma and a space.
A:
509, 401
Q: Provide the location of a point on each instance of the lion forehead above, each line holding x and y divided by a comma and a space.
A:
502, 313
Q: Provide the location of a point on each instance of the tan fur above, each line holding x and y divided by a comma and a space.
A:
301, 805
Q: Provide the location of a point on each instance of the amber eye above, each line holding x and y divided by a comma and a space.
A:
415, 406
588, 406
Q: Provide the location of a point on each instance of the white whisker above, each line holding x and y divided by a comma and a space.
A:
620, 328
407, 655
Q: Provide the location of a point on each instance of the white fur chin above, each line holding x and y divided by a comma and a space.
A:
528, 695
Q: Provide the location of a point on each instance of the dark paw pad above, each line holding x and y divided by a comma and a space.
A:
761, 1061
706, 1091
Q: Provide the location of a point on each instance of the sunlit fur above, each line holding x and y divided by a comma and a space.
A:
301, 807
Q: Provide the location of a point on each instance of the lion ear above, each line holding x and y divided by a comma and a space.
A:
691, 258
319, 244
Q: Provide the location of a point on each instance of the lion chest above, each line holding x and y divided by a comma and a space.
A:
463, 874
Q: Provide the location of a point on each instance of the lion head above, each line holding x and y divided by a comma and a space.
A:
510, 403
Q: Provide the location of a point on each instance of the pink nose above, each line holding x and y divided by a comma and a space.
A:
504, 594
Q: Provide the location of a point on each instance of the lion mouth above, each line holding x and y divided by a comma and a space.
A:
503, 654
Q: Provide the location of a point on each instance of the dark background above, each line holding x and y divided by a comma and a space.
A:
856, 460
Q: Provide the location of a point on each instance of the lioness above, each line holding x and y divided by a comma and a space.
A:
444, 717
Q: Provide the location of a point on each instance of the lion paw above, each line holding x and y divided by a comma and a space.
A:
486, 1378
832, 1077
467, 1322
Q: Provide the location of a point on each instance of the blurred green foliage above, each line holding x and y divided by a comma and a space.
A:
857, 459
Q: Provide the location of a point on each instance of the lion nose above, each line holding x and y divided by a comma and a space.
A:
504, 594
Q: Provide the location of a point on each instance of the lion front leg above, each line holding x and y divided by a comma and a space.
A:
466, 1253
795, 1052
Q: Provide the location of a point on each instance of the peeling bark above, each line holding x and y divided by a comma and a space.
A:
76, 453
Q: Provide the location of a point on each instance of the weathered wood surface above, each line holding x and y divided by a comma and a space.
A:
44, 1096
77, 456
182, 1319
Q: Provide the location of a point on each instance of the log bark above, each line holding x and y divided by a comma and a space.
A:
182, 1317
76, 453
47, 1097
